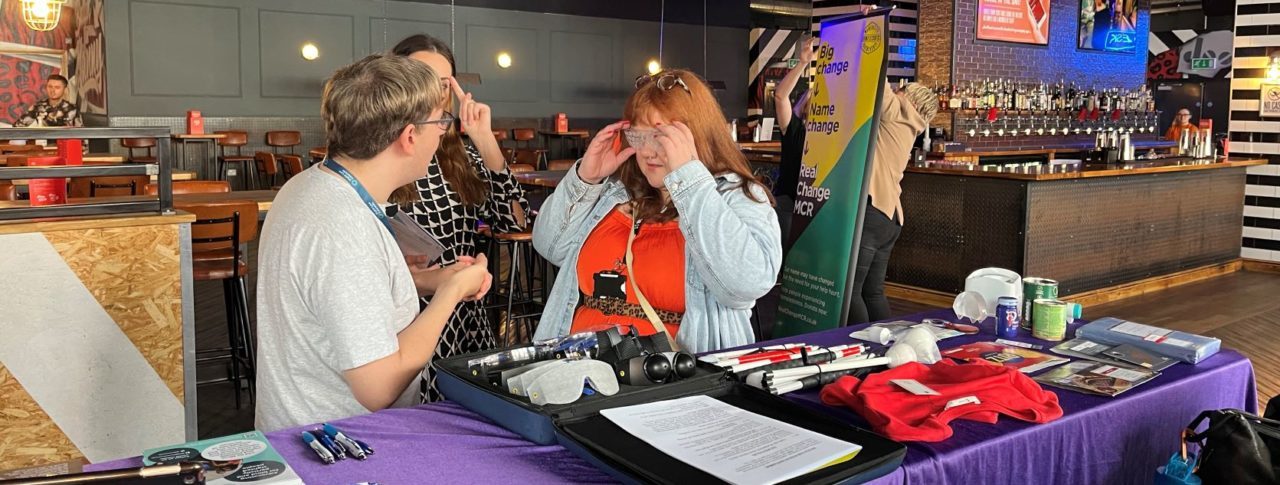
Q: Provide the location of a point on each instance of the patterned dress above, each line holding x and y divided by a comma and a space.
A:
48, 114
441, 212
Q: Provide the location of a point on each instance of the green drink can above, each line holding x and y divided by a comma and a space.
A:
1051, 319
1035, 289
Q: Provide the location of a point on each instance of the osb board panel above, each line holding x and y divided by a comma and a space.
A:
135, 274
30, 437
90, 222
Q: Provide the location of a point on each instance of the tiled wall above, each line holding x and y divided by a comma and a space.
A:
1257, 37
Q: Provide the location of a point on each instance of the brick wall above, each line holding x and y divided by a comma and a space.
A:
977, 60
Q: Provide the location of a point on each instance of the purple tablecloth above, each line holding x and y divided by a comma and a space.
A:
435, 443
1098, 440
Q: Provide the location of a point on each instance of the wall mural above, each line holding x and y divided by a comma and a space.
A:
1180, 54
75, 49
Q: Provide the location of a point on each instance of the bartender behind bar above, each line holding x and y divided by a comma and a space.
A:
54, 110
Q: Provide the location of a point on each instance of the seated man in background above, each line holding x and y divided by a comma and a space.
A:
54, 110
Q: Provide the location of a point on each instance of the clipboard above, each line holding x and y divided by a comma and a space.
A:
414, 240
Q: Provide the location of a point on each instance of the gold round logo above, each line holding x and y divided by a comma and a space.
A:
871, 38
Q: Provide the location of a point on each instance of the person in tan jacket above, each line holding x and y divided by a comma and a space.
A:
904, 115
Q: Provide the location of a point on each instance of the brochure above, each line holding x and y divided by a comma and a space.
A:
1095, 378
1025, 360
1111, 354
258, 461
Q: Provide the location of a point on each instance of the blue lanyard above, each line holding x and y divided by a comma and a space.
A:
337, 168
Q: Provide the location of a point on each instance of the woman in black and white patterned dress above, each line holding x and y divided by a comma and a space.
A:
465, 184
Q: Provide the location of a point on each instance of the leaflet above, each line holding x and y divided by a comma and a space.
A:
732, 444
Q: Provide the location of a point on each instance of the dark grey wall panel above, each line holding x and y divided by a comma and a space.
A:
284, 73
203, 59
386, 33
586, 76
583, 66
523, 81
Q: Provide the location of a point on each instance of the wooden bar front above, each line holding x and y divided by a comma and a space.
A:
1092, 229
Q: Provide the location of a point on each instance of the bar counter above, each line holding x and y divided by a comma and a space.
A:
1090, 229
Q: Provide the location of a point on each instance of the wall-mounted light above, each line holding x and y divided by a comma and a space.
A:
504, 60
1273, 70
310, 52
654, 67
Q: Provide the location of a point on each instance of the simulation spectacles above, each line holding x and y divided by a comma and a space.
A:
664, 82
445, 120
637, 138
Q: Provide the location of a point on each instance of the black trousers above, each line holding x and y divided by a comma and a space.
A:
879, 233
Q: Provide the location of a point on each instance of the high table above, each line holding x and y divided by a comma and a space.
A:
1098, 439
206, 141
541, 178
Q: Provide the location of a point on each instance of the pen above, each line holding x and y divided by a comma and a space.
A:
315, 445
354, 447
1019, 344
339, 451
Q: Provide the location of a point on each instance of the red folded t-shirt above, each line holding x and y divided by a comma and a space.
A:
976, 391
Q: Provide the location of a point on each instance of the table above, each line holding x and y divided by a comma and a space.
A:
540, 178
206, 140
575, 137
434, 443
1098, 440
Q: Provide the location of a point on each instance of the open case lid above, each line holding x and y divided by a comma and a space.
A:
629, 457
580, 427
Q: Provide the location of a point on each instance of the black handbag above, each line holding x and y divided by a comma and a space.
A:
1237, 448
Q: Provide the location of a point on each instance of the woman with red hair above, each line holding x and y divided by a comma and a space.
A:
661, 225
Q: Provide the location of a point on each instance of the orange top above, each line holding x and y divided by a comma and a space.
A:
1175, 131
658, 257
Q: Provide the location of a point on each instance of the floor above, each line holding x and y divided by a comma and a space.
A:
1241, 309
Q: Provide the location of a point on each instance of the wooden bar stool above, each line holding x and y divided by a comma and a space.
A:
527, 136
520, 293
147, 144
279, 141
220, 228
234, 140
266, 164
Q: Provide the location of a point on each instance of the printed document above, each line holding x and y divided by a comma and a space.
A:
733, 444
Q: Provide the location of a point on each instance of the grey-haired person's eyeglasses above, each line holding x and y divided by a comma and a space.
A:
445, 120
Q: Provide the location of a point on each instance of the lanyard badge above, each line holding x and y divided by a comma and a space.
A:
337, 168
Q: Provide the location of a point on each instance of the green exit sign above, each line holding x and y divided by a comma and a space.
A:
791, 63
1204, 63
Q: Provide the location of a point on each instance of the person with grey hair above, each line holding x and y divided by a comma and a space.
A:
904, 115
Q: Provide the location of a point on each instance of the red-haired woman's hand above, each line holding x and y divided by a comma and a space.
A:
601, 161
677, 144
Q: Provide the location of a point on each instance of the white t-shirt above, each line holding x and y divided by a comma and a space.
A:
333, 293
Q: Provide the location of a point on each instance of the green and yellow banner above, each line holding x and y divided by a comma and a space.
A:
840, 125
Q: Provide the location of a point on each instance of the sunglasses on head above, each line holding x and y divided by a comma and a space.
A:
664, 81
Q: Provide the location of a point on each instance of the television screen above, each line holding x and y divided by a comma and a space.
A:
1109, 25
1021, 21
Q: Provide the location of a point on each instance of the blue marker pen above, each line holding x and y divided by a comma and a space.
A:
354, 447
338, 450
319, 448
